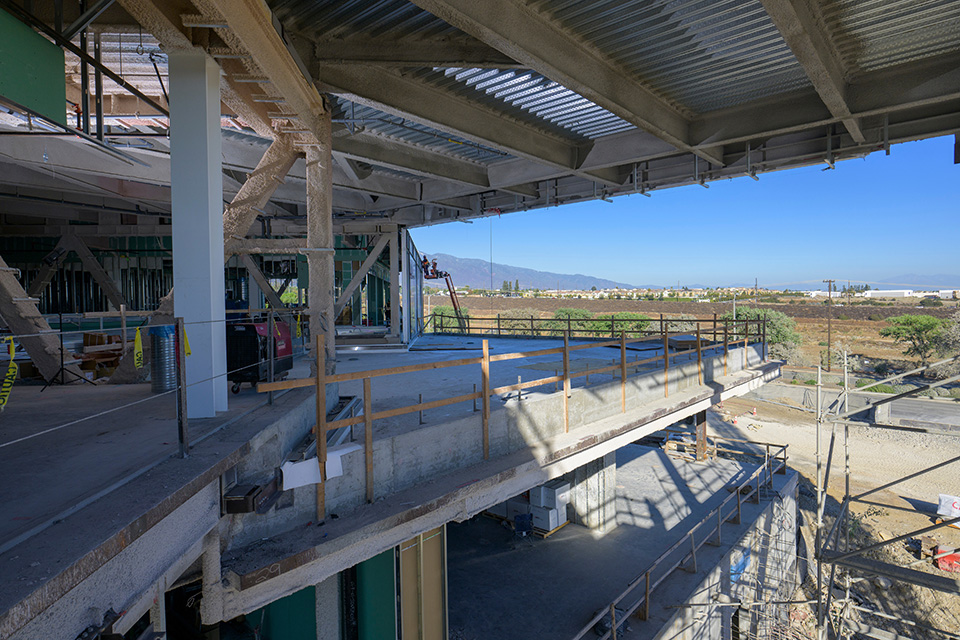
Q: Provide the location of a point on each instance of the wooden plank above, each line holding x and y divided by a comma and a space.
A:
345, 422
540, 533
182, 427
485, 396
368, 436
526, 354
424, 406
413, 368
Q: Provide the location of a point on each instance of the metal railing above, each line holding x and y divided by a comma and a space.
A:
639, 589
616, 370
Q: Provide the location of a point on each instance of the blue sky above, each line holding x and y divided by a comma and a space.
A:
868, 220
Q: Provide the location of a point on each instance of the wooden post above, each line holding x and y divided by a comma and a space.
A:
613, 621
714, 337
498, 325
183, 432
623, 372
568, 325
123, 326
693, 554
666, 363
613, 324
699, 356
485, 388
566, 381
320, 428
531, 326
271, 351
739, 503
646, 596
368, 435
726, 335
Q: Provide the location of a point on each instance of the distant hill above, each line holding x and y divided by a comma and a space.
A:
476, 274
914, 281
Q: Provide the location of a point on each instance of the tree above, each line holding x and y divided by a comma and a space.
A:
579, 321
948, 345
516, 286
505, 287
782, 335
919, 333
931, 302
593, 288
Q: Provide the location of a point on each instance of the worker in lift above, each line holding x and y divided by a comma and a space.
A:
435, 272
425, 265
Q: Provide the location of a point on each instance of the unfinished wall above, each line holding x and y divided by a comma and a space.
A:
593, 494
761, 566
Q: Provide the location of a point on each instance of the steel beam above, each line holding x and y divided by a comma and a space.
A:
537, 41
802, 31
384, 52
358, 277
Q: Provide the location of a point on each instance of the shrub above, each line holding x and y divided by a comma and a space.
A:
781, 328
822, 343
449, 320
882, 369
843, 317
574, 319
931, 302
883, 388
875, 317
955, 393
517, 321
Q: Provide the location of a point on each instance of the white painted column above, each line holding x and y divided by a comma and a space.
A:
394, 284
197, 202
405, 322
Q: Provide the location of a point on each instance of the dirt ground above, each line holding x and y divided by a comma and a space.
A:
876, 457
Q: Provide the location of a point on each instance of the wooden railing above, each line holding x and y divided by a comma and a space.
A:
643, 585
616, 370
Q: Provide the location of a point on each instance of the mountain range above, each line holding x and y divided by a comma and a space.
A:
474, 273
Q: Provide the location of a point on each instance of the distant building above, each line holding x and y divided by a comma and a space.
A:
889, 293
949, 294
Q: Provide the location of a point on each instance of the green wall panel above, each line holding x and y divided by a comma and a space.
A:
31, 69
291, 618
377, 597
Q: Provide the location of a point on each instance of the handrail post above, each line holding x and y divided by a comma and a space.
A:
368, 436
763, 346
726, 344
699, 357
531, 327
666, 361
566, 381
321, 428
746, 341
485, 405
613, 621
498, 325
183, 432
646, 596
623, 372
613, 323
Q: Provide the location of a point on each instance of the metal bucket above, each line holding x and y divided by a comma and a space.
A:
163, 359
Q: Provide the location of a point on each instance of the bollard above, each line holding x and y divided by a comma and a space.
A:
519, 391
420, 412
474, 400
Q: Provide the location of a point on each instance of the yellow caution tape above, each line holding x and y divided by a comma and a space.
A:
186, 343
8, 378
138, 350
298, 325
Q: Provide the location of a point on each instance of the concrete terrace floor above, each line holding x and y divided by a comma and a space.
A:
576, 571
63, 468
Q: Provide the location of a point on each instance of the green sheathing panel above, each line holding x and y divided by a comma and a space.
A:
31, 70
377, 597
291, 618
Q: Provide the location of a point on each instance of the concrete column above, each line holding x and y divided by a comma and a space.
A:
211, 605
881, 413
394, 284
320, 263
197, 203
328, 609
593, 493
158, 612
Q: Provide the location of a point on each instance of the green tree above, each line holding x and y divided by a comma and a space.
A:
630, 323
516, 285
505, 287
593, 288
517, 322
931, 302
920, 334
948, 345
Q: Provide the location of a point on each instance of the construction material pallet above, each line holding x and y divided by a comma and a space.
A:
540, 533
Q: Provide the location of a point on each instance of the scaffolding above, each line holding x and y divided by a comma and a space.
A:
843, 617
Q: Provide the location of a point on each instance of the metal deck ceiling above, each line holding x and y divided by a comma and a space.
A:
875, 34
656, 93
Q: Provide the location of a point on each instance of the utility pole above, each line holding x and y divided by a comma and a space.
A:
756, 289
829, 317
